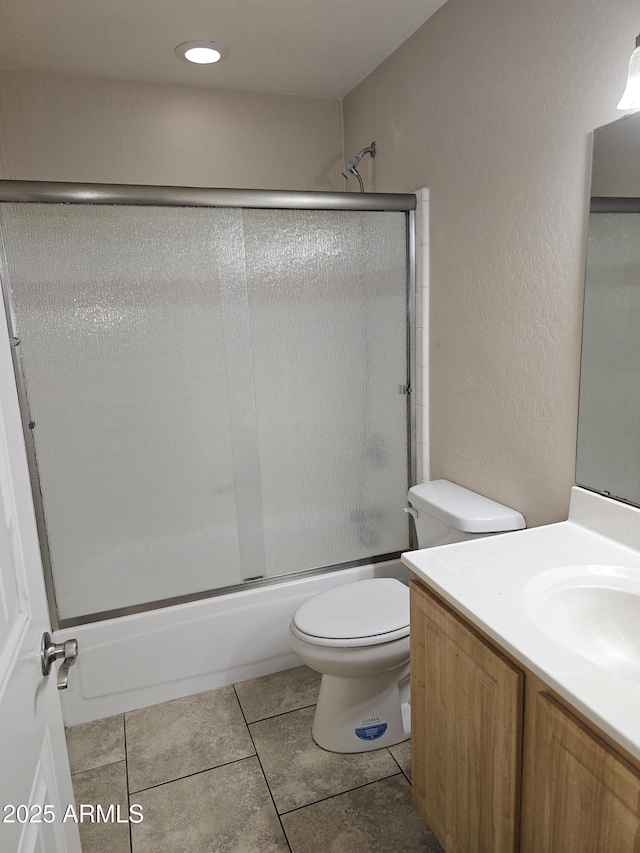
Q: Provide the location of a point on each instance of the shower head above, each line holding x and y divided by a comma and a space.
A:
351, 168
353, 171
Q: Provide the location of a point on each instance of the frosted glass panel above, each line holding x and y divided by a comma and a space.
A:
119, 314
609, 412
327, 293
214, 391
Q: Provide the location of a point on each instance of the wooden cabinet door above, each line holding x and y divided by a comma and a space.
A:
579, 796
466, 705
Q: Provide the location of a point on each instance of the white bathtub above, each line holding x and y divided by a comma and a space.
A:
139, 660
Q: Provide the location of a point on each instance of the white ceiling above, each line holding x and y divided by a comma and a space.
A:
302, 47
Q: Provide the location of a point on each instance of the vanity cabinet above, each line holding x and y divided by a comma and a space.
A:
466, 702
579, 796
499, 764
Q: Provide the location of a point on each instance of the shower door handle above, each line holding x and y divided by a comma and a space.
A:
50, 652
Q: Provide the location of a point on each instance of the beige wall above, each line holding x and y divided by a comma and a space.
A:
490, 104
62, 127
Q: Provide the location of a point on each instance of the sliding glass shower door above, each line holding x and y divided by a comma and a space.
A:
213, 392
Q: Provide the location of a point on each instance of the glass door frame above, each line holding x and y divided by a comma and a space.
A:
52, 192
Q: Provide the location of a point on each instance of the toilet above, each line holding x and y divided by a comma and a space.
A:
357, 635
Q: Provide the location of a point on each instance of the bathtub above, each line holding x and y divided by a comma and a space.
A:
138, 660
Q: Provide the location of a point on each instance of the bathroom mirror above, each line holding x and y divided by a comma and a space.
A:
608, 456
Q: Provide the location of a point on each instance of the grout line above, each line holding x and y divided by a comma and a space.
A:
408, 778
264, 775
340, 793
195, 773
281, 714
126, 776
99, 766
400, 766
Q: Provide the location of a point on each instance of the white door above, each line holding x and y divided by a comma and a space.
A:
34, 767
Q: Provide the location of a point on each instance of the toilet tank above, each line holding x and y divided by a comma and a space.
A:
445, 512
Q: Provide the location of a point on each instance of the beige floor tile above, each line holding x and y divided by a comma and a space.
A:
95, 744
174, 739
402, 754
277, 693
226, 810
299, 772
105, 786
379, 818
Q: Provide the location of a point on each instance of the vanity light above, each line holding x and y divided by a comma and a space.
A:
631, 98
202, 52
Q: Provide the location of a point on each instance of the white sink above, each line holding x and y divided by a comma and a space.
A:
563, 600
593, 610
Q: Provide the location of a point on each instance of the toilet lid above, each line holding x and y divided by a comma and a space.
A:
355, 610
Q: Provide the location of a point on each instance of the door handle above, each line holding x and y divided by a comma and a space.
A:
50, 652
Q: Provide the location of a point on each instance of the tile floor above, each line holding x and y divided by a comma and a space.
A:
235, 770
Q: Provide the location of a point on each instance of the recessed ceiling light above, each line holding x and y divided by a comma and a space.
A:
202, 52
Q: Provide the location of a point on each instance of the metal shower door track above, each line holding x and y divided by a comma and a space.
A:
57, 192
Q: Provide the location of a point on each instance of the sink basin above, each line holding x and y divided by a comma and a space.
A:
593, 610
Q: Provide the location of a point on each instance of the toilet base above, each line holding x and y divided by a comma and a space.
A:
362, 714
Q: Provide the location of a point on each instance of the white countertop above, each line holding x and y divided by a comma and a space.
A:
485, 579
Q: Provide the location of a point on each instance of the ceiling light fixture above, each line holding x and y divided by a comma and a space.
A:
202, 52
631, 97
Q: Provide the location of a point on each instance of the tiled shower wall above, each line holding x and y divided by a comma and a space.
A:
420, 398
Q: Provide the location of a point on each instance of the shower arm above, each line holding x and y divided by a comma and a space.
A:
351, 168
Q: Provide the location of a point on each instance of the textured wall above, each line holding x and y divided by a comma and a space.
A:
62, 127
491, 105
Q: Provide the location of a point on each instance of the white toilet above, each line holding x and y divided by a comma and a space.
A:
357, 634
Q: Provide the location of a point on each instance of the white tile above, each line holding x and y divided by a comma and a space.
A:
422, 309
422, 389
423, 427
422, 225
422, 265
423, 471
422, 347
421, 293
419, 345
421, 395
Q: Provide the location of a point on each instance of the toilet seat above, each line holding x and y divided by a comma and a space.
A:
364, 613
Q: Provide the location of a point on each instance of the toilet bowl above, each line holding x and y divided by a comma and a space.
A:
357, 635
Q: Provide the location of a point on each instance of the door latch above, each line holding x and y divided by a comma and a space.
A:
50, 652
